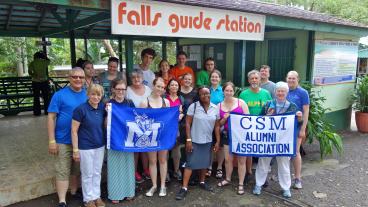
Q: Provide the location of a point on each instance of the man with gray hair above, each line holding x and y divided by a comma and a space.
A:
265, 82
59, 123
255, 97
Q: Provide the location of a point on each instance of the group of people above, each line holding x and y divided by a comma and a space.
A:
77, 127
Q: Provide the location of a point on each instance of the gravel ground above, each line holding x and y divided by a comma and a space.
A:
340, 180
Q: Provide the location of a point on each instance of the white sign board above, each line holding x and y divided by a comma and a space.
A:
151, 18
263, 136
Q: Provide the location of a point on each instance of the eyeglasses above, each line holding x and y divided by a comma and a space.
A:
76, 77
204, 94
120, 89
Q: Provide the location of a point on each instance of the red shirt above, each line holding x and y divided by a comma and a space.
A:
178, 73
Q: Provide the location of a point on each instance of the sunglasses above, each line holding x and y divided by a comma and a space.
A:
77, 77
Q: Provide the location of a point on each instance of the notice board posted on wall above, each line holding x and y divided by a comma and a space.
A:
153, 18
334, 62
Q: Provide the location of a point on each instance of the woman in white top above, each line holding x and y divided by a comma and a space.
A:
138, 92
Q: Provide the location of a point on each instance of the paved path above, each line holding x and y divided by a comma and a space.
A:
24, 164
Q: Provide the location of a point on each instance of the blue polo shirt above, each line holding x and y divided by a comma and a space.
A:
299, 96
217, 96
63, 104
91, 128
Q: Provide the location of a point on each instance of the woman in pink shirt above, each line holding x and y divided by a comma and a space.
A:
172, 94
235, 105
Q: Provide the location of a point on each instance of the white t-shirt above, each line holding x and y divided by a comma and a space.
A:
148, 76
137, 99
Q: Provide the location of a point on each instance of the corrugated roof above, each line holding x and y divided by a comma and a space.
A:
269, 9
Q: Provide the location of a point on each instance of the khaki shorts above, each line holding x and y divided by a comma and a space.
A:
64, 163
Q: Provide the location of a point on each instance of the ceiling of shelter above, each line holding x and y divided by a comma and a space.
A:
91, 18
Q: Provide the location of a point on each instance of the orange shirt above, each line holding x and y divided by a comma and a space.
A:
178, 73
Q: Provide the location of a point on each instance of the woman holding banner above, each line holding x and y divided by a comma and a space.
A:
138, 92
155, 100
235, 105
278, 106
202, 119
120, 165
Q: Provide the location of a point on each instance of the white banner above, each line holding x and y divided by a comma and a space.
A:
151, 18
263, 136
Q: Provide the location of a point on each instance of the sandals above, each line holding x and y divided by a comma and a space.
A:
219, 173
224, 183
209, 172
240, 189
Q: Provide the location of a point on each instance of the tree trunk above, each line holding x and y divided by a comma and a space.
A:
109, 48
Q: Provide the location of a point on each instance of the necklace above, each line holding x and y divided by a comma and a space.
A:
280, 110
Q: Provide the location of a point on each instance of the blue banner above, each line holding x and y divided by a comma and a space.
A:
141, 129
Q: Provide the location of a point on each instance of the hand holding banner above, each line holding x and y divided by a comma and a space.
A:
263, 136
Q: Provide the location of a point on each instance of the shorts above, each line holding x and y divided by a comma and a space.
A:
64, 163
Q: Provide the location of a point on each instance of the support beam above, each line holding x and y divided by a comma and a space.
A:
59, 18
73, 56
43, 14
128, 56
44, 50
310, 56
90, 28
85, 48
164, 49
10, 12
121, 55
243, 52
79, 24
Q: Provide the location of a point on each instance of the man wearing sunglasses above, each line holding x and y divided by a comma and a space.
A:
59, 121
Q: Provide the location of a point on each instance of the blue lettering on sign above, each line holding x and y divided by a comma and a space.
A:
241, 122
273, 122
260, 123
263, 148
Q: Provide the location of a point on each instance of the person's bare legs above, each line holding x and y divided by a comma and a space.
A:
74, 183
162, 159
61, 189
220, 158
176, 155
297, 161
228, 163
249, 164
152, 158
241, 168
145, 161
186, 177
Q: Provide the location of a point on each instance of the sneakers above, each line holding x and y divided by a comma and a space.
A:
178, 175
162, 192
297, 184
146, 174
205, 186
99, 203
286, 193
257, 190
181, 194
151, 191
90, 204
62, 204
138, 178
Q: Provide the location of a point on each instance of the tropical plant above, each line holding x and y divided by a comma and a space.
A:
318, 128
360, 95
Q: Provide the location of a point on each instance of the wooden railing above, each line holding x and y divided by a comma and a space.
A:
16, 93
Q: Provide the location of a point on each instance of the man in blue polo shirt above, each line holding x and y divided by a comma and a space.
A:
300, 97
59, 121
